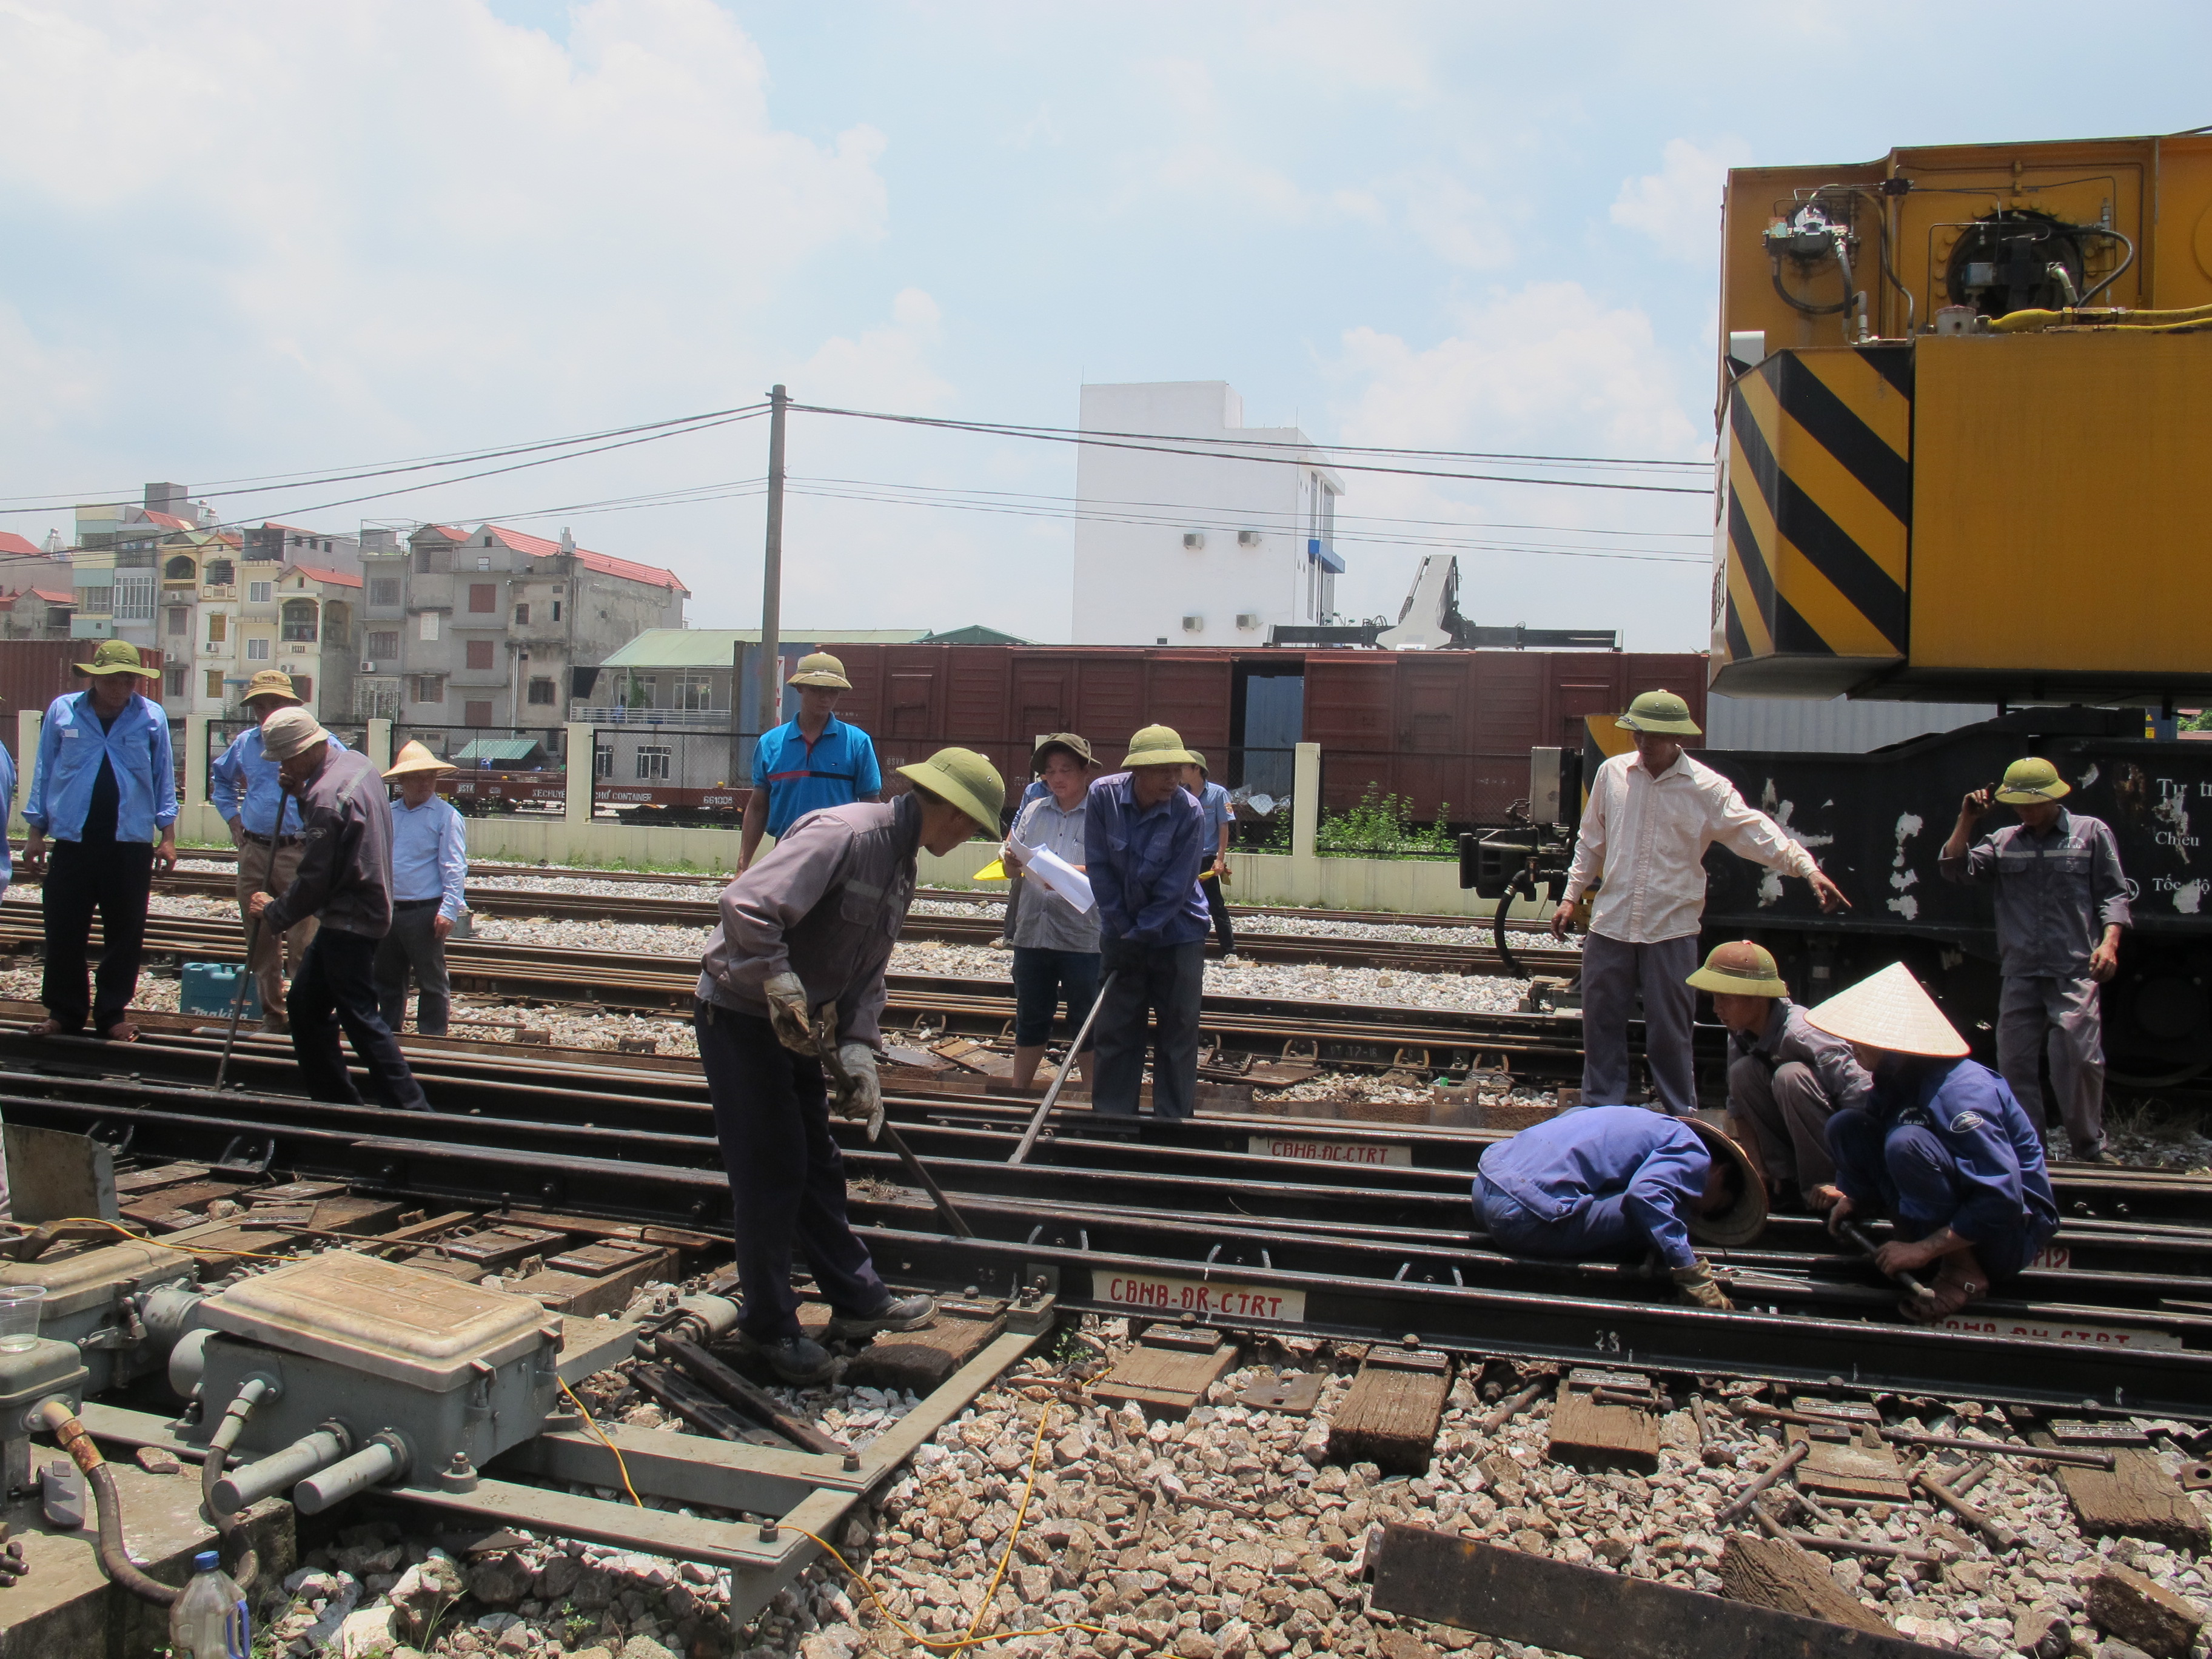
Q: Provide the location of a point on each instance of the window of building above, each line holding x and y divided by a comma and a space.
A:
218, 627
384, 591
179, 569
653, 761
215, 683
483, 559
383, 644
603, 761
221, 572
256, 650
484, 597
303, 686
180, 620
476, 713
428, 627
522, 616
694, 690
259, 593
429, 688
541, 692
556, 610
96, 601
480, 655
297, 625
134, 596
174, 680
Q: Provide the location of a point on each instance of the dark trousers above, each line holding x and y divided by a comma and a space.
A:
786, 1173
113, 878
413, 945
334, 989
1212, 888
1167, 981
1613, 973
1041, 978
1921, 1186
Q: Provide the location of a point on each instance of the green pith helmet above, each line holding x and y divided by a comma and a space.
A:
115, 657
1158, 746
967, 780
1740, 968
820, 668
1661, 712
1075, 744
2031, 780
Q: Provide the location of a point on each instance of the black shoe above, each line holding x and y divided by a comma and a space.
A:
798, 1360
902, 1313
2094, 1154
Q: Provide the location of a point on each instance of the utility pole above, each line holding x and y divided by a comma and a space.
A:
771, 668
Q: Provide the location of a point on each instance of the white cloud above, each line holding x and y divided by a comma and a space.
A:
1460, 226
884, 368
1679, 207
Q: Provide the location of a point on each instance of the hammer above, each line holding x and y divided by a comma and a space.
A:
1858, 1236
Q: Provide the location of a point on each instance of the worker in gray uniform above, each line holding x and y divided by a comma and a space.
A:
812, 922
2062, 903
1786, 1076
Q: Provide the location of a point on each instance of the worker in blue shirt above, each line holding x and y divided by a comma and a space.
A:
1219, 815
1600, 1181
104, 790
242, 787
7, 873
430, 872
1145, 837
1942, 1147
809, 762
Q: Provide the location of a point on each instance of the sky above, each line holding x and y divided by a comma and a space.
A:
255, 238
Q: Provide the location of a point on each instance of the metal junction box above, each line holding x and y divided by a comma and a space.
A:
94, 1299
450, 1367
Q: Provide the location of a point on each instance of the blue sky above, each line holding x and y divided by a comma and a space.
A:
256, 237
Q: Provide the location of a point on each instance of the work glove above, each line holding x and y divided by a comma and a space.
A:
1120, 955
861, 1095
1697, 1286
788, 1014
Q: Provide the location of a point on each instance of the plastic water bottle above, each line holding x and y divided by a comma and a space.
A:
210, 1620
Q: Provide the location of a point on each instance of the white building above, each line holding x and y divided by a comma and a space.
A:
1207, 549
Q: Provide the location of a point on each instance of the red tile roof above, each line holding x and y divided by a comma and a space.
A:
606, 564
16, 547
169, 520
314, 575
52, 598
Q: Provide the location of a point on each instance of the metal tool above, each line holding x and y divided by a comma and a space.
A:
1859, 1236
825, 1046
253, 937
1020, 1153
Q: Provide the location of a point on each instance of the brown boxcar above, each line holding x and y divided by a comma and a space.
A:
1449, 730
34, 672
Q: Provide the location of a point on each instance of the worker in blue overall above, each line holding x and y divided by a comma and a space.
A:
812, 761
1942, 1148
1616, 1181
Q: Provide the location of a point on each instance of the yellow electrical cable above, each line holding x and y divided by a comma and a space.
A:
621, 1467
163, 1244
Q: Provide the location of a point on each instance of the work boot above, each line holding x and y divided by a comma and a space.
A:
900, 1313
798, 1360
2092, 1152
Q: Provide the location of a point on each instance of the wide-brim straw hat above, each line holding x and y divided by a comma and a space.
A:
270, 682
966, 778
1660, 712
2029, 781
415, 758
1739, 969
1746, 1218
290, 731
1158, 746
1890, 1010
116, 657
1077, 746
820, 668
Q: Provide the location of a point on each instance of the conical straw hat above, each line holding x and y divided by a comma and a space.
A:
1890, 1010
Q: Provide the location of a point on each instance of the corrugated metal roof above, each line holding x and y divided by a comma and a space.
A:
1808, 726
497, 748
713, 647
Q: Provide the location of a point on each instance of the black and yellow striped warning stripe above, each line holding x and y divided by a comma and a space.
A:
1820, 501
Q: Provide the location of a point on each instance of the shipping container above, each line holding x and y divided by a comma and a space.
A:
34, 672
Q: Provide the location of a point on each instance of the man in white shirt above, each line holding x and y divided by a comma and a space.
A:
1650, 817
430, 873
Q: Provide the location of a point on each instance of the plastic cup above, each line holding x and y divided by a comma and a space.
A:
19, 1316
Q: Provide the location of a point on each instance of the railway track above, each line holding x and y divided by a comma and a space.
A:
1198, 1216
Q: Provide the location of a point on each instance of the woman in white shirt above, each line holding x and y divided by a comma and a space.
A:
1055, 945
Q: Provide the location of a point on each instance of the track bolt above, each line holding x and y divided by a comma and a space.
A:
852, 1462
768, 1532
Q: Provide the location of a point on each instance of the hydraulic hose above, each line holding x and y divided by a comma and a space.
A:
226, 1432
61, 1422
2034, 322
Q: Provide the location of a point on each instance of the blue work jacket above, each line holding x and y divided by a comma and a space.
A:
837, 769
1144, 865
245, 767
6, 804
2002, 1180
1606, 1178
71, 747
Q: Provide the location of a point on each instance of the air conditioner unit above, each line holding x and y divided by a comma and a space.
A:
1248, 539
1248, 619
1193, 625
1193, 540
368, 668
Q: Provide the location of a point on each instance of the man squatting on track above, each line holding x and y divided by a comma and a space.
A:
1941, 1146
812, 922
1651, 815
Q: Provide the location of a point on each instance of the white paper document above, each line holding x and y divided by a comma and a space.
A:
1054, 873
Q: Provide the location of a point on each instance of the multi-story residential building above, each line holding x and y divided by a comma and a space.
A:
490, 627
1210, 547
37, 613
274, 596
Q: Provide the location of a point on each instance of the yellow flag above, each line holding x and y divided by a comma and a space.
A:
994, 871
